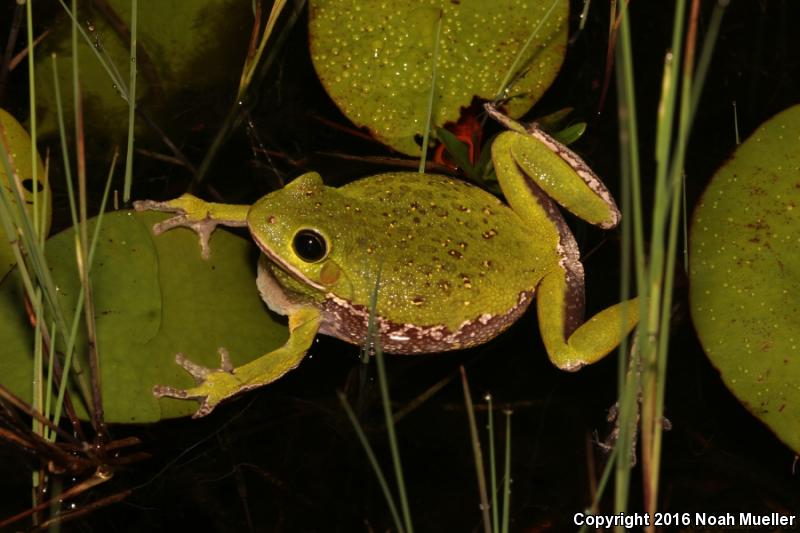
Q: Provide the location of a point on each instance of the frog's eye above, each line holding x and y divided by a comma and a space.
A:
309, 245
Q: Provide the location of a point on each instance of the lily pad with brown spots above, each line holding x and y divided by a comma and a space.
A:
745, 274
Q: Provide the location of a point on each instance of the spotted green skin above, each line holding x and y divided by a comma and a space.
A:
448, 254
451, 265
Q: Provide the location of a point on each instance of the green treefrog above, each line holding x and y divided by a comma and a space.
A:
457, 266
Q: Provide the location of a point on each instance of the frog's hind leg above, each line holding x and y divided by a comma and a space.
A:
570, 342
556, 169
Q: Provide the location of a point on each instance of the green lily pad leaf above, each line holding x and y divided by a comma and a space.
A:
154, 296
745, 274
18, 144
186, 50
375, 58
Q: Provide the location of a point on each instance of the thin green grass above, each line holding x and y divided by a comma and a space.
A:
431, 96
103, 59
645, 371
126, 196
492, 463
252, 71
506, 516
373, 461
633, 238
476, 453
495, 513
393, 445
37, 222
515, 65
373, 341
38, 286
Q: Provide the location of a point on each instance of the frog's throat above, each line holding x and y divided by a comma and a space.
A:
292, 271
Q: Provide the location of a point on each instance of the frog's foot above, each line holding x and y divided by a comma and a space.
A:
199, 216
215, 385
212, 385
570, 342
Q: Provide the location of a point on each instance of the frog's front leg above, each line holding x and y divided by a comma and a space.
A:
198, 215
216, 385
571, 344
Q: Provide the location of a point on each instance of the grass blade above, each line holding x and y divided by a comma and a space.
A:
507, 476
126, 196
373, 461
492, 465
476, 450
431, 96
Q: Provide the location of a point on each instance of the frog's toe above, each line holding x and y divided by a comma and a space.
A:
172, 222
198, 372
205, 408
212, 385
152, 205
204, 228
196, 220
166, 391
196, 393
225, 360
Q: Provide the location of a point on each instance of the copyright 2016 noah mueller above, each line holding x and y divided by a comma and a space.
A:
696, 519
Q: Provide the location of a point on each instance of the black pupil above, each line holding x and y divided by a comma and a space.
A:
309, 245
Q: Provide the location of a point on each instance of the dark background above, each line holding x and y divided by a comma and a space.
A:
285, 458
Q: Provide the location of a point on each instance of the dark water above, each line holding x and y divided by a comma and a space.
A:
286, 458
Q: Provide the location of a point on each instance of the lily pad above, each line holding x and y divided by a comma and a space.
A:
375, 59
154, 296
18, 144
187, 50
745, 274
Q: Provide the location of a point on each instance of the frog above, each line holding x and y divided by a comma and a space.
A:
437, 263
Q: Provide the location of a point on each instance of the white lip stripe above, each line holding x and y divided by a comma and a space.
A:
283, 264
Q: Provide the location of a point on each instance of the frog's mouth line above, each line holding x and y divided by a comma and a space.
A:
289, 269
